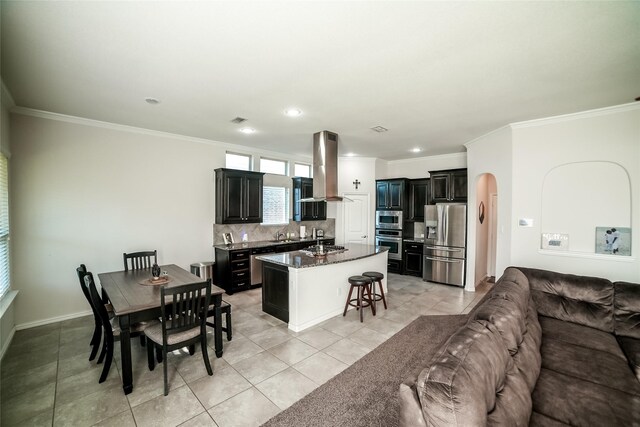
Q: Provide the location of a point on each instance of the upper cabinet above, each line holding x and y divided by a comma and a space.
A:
449, 186
419, 195
307, 211
391, 194
238, 196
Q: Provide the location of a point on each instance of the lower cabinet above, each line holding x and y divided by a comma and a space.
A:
412, 259
394, 266
232, 270
275, 290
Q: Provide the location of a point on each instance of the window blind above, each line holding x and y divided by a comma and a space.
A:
275, 203
4, 225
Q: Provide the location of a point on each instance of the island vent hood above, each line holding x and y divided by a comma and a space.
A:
325, 168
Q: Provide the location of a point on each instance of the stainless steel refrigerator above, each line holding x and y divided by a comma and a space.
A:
445, 243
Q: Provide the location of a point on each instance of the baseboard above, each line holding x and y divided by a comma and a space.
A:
7, 343
50, 320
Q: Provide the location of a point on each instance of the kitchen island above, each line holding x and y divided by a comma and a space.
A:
304, 290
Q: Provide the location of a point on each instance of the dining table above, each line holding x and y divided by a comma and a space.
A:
136, 299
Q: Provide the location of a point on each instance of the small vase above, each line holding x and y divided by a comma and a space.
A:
155, 271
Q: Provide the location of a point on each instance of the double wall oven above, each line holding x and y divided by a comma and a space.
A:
389, 232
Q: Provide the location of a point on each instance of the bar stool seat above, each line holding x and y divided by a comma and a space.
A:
363, 284
376, 276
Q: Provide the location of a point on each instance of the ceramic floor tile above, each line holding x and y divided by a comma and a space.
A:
26, 334
385, 326
123, 419
42, 419
27, 344
343, 326
320, 367
319, 338
292, 351
150, 384
247, 409
177, 407
18, 361
192, 368
79, 333
85, 383
260, 367
92, 408
201, 420
286, 388
239, 349
30, 379
270, 337
76, 365
26, 405
346, 351
368, 338
224, 384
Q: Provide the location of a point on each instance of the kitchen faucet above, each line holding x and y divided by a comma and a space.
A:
278, 235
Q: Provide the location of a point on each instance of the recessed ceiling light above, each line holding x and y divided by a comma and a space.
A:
416, 150
152, 101
350, 154
247, 130
292, 112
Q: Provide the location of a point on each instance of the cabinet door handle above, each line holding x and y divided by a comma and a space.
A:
240, 274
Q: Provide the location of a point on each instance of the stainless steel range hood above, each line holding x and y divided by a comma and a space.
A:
325, 168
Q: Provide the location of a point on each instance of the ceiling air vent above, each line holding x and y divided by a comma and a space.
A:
379, 129
238, 120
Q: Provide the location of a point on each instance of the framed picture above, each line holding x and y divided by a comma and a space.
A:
228, 238
613, 240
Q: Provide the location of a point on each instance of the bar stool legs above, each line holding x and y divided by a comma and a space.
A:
376, 277
364, 286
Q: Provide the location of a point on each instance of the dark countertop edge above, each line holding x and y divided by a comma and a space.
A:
265, 243
335, 261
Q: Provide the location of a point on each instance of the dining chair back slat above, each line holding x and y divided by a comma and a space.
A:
103, 315
139, 260
97, 331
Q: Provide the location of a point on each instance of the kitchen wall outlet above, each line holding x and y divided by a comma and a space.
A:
525, 222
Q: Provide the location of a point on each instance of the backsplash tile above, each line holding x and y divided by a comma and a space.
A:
259, 232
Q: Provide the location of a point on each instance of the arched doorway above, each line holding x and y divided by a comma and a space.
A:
486, 213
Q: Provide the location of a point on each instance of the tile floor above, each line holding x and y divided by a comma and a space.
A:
46, 378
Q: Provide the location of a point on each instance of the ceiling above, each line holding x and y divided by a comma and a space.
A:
436, 74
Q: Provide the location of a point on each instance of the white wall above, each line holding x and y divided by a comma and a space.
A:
492, 154
420, 167
606, 135
86, 193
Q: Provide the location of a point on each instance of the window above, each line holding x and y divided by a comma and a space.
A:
300, 169
275, 205
4, 225
238, 161
278, 167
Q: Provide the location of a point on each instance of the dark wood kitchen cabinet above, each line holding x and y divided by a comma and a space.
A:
307, 211
412, 258
233, 271
449, 186
391, 194
238, 196
419, 195
275, 290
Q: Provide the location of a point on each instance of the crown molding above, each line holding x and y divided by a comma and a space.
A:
461, 155
473, 141
240, 149
577, 116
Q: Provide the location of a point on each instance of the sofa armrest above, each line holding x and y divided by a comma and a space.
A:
410, 409
631, 348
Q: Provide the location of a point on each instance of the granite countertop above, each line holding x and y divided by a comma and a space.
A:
300, 259
266, 243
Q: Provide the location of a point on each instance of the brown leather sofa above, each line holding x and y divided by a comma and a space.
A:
543, 348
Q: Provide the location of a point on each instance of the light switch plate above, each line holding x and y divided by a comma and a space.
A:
555, 241
525, 222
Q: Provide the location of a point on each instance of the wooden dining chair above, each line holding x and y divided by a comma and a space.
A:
184, 310
139, 260
97, 331
109, 326
226, 310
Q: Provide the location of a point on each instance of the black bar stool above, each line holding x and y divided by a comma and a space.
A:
376, 277
364, 285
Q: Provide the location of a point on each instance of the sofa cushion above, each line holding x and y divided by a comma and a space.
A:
410, 409
528, 359
513, 286
579, 335
539, 420
579, 299
507, 317
631, 348
578, 402
472, 380
590, 365
626, 311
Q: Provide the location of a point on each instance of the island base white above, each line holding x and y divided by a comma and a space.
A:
319, 293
